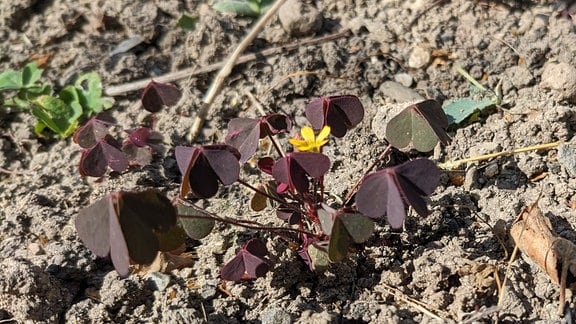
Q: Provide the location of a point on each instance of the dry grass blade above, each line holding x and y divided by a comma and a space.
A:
420, 306
227, 69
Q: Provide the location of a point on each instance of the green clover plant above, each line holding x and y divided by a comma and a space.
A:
62, 112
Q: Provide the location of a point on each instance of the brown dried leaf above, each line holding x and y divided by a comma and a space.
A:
555, 255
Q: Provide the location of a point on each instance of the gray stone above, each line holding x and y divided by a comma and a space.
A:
561, 79
299, 19
567, 157
398, 92
404, 79
276, 316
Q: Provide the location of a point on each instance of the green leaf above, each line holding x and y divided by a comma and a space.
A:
421, 124
348, 228
244, 8
90, 95
319, 258
460, 109
54, 114
187, 22
196, 228
30, 74
10, 80
71, 97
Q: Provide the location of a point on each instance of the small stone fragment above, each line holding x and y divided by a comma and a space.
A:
299, 19
561, 79
35, 249
419, 58
276, 315
491, 170
398, 92
567, 157
160, 280
404, 79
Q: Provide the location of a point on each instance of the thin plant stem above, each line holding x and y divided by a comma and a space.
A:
267, 195
355, 188
227, 69
276, 146
247, 224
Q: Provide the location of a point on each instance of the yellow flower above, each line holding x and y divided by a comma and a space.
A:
311, 143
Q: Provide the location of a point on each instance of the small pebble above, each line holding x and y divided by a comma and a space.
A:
404, 79
561, 79
276, 316
160, 280
491, 170
35, 249
567, 157
398, 92
419, 58
299, 19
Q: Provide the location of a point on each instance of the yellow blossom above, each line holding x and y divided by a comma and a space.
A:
309, 142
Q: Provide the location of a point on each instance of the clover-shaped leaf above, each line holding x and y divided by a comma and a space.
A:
89, 88
386, 192
289, 215
202, 167
249, 263
106, 152
55, 114
157, 95
348, 228
125, 225
92, 132
293, 170
421, 124
196, 222
244, 133
341, 113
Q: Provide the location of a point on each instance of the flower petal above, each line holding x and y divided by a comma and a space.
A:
323, 134
307, 134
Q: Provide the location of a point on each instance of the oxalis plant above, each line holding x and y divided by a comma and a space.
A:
132, 227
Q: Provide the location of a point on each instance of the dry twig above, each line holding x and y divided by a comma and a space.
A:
120, 89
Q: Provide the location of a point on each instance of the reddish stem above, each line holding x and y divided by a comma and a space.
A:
355, 188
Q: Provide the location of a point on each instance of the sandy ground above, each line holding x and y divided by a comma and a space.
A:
395, 52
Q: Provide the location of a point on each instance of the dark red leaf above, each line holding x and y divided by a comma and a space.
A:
294, 168
277, 123
93, 131
142, 214
139, 136
341, 113
124, 224
244, 133
265, 164
249, 263
106, 152
386, 192
137, 155
290, 216
156, 95
203, 167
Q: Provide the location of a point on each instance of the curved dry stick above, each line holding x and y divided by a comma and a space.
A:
227, 69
